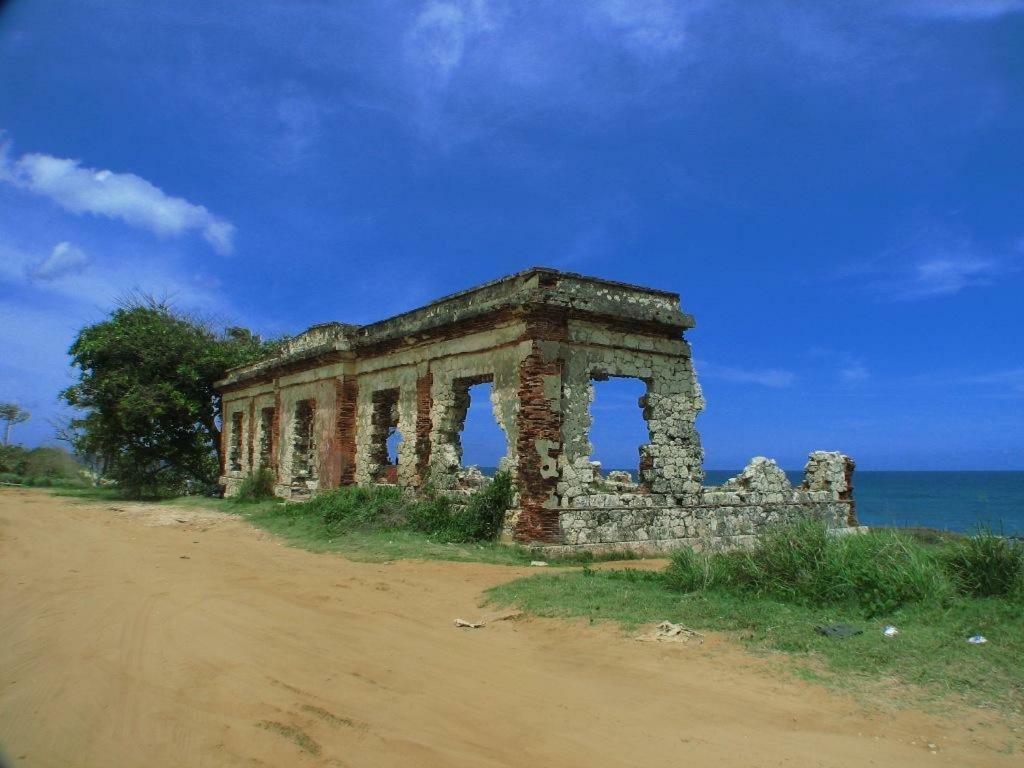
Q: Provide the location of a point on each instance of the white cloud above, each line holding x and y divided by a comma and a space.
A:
964, 10
766, 377
122, 196
65, 259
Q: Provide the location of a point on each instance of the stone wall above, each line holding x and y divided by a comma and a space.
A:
541, 338
728, 515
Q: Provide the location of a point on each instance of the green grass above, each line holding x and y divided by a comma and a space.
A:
292, 523
796, 578
88, 493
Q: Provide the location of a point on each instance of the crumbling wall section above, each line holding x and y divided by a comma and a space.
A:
730, 515
671, 462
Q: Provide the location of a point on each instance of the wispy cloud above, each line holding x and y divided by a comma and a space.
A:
68, 279
1012, 378
850, 369
766, 377
65, 259
854, 373
962, 10
946, 275
934, 264
123, 196
647, 27
441, 32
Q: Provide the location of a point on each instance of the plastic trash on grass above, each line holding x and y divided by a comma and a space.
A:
890, 631
977, 639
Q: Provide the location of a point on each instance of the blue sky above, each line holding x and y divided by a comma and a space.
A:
836, 189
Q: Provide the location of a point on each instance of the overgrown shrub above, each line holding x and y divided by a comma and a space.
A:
985, 565
358, 508
256, 486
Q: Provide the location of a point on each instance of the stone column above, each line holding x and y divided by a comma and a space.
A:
672, 463
577, 473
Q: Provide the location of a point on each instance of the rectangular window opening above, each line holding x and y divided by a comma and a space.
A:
482, 442
618, 428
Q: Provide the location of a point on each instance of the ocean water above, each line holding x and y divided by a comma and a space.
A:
952, 501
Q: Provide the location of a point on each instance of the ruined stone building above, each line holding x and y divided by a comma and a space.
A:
320, 412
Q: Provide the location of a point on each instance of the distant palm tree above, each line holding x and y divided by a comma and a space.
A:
12, 414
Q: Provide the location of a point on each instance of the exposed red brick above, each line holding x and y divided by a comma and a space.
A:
424, 425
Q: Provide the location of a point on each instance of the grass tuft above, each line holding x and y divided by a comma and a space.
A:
256, 486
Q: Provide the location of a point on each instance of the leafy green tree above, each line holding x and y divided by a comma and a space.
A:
11, 414
146, 387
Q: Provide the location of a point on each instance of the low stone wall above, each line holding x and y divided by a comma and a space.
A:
726, 516
654, 528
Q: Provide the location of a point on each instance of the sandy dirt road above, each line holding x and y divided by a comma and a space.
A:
141, 636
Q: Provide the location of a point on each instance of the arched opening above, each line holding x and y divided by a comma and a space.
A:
617, 424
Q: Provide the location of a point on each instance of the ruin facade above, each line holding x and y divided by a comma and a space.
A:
321, 413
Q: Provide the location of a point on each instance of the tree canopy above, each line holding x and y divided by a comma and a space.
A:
12, 414
146, 376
